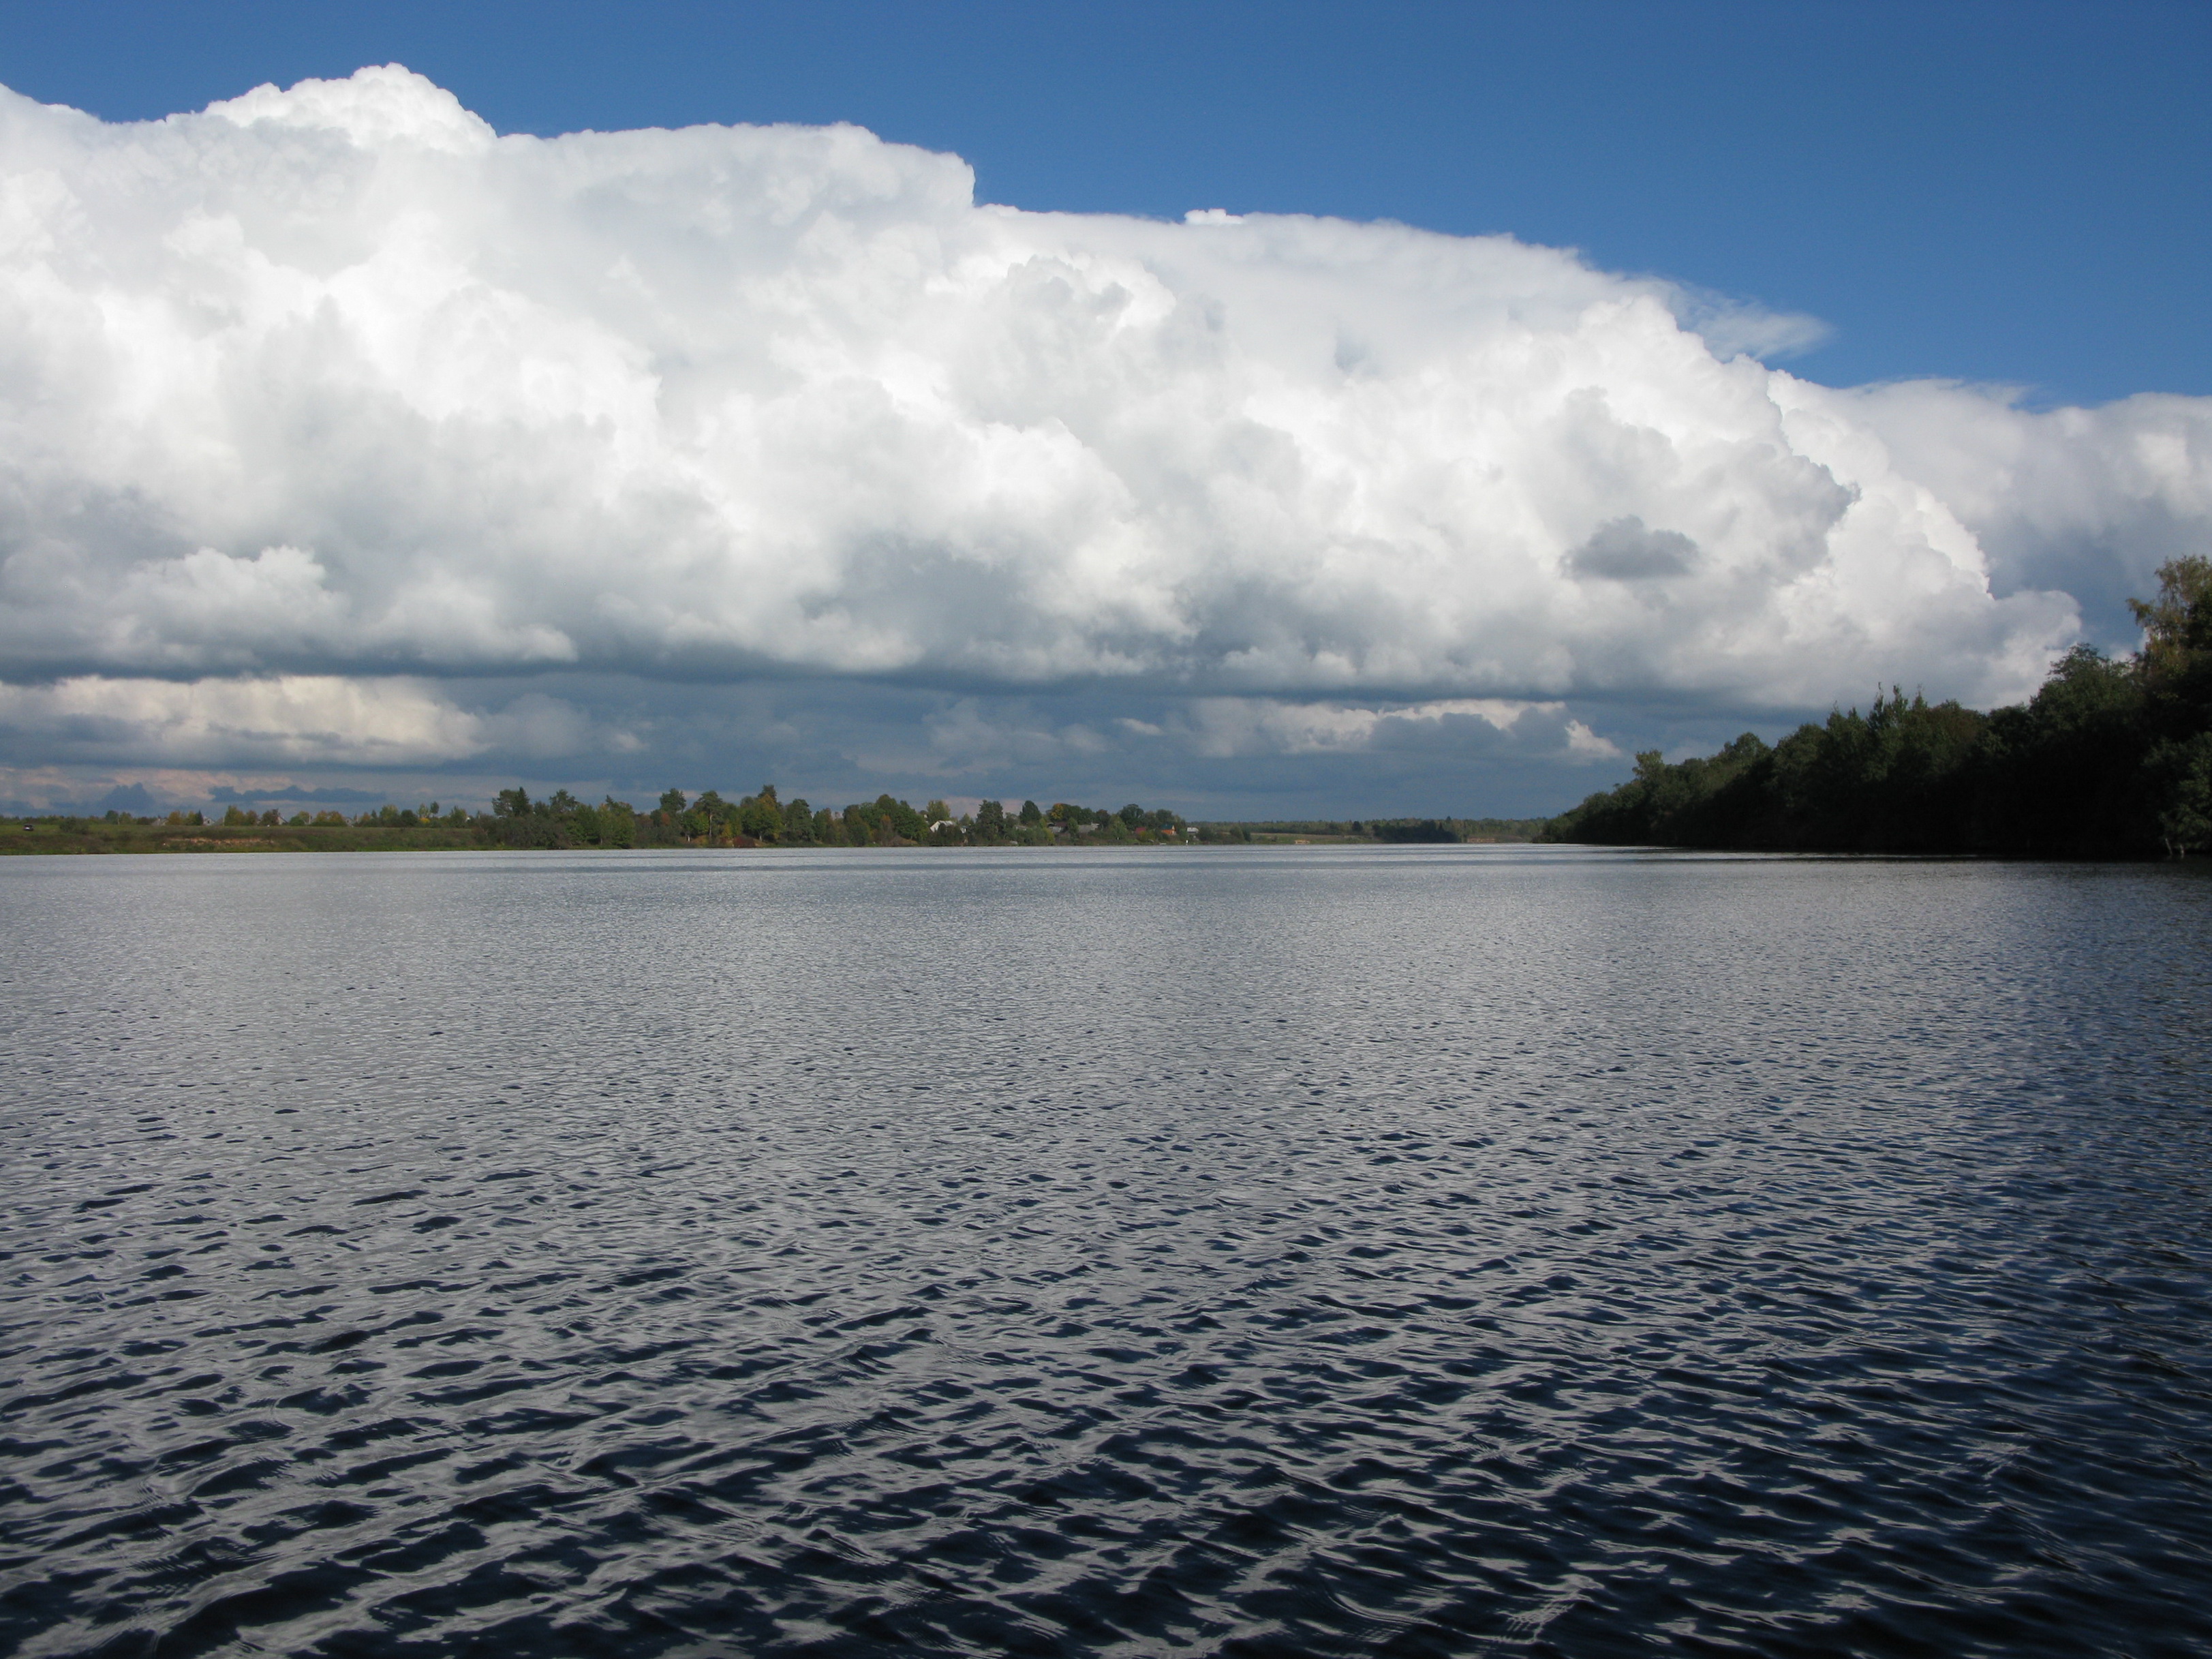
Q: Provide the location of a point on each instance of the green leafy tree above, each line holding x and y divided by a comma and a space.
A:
1030, 813
905, 823
2064, 774
761, 815
2181, 781
2177, 625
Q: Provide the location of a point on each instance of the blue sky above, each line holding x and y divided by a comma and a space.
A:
2008, 192
346, 450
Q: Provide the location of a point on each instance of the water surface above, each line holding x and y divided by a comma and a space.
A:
1270, 1252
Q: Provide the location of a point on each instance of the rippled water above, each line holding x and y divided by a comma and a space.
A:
1397, 1252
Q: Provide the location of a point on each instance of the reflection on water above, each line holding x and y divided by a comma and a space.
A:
1421, 1251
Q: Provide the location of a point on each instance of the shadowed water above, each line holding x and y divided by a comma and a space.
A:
1395, 1252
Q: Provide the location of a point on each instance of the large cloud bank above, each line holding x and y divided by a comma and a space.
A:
336, 384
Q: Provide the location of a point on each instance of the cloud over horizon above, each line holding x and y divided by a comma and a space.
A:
322, 399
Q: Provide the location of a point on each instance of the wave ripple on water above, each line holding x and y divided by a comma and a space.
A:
1422, 1252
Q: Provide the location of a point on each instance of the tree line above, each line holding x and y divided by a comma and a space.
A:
765, 819
2110, 758
1393, 831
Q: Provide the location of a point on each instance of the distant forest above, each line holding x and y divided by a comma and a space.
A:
765, 819
2111, 758
761, 820
1389, 831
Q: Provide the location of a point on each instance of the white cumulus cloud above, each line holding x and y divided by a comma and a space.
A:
291, 717
1224, 727
334, 386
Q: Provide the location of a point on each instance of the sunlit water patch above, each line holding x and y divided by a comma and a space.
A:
1433, 1251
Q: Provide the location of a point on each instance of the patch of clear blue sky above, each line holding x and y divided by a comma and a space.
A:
2017, 192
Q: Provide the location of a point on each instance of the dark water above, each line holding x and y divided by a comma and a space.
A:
1431, 1251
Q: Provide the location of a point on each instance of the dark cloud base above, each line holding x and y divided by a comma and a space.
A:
838, 740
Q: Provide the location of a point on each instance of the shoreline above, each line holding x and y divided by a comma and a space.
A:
200, 843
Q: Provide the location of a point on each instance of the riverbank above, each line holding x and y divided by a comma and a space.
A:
66, 836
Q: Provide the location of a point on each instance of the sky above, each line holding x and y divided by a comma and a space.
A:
1284, 411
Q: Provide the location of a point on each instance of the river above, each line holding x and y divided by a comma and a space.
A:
1265, 1252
